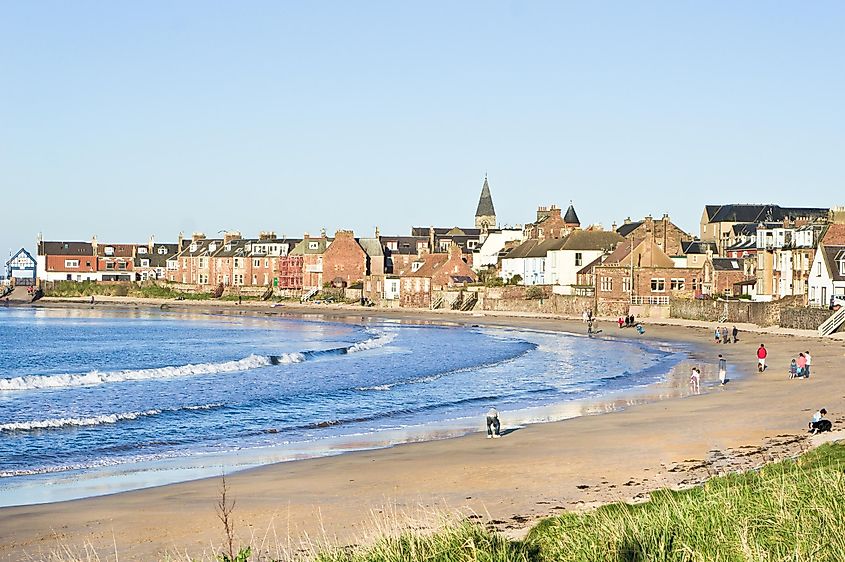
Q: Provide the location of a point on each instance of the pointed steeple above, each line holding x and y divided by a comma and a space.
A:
485, 213
571, 217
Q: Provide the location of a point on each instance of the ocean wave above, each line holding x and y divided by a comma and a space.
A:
103, 419
92, 378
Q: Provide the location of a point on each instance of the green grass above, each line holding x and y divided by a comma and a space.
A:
788, 511
141, 290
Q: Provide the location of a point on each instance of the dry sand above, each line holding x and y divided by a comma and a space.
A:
510, 482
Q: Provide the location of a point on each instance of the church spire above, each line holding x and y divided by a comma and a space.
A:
485, 214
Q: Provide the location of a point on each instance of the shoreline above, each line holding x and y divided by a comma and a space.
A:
540, 470
108, 479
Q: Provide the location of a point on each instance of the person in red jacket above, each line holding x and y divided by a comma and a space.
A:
761, 358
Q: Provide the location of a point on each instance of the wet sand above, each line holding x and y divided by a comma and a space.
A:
535, 471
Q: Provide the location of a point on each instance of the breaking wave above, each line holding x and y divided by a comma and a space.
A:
59, 423
34, 382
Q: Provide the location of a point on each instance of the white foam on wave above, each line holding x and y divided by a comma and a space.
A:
57, 423
92, 378
382, 339
31, 382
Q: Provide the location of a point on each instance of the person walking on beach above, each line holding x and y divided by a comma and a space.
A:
793, 369
723, 370
809, 359
717, 334
620, 322
761, 358
735, 333
724, 334
493, 424
695, 380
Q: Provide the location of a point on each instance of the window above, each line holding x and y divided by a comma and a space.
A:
416, 266
71, 263
142, 250
626, 284
121, 265
202, 263
607, 283
841, 267
392, 245
255, 279
658, 285
695, 283
266, 263
472, 244
256, 262
203, 279
239, 279
110, 265
238, 263
162, 251
193, 247
313, 245
145, 263
678, 284
579, 258
109, 251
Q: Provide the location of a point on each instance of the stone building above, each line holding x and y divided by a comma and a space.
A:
668, 236
551, 224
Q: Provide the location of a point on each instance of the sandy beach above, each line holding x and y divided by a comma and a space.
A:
509, 483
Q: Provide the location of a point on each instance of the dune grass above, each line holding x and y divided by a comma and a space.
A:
787, 511
143, 290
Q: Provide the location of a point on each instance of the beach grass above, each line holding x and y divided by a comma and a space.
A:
787, 511
141, 290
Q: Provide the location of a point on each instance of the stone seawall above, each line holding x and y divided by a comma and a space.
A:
786, 312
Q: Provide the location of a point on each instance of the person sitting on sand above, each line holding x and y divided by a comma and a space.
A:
493, 424
793, 369
819, 423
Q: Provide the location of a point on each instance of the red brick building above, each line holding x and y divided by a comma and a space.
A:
550, 225
663, 232
344, 261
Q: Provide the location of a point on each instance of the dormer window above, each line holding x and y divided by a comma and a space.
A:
415, 266
193, 247
228, 247
313, 245
142, 250
162, 251
212, 247
109, 251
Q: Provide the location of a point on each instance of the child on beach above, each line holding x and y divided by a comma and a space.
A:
717, 334
819, 423
761, 358
695, 380
809, 359
793, 369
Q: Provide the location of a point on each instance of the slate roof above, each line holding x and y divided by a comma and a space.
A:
727, 264
156, 259
485, 202
118, 250
710, 210
65, 249
748, 244
627, 229
831, 255
591, 240
234, 249
696, 247
534, 248
404, 244
571, 217
764, 213
304, 247
587, 269
443, 231
372, 246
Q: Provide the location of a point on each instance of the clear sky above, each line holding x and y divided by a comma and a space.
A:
125, 119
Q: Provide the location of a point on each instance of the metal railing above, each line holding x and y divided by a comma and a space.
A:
832, 324
649, 299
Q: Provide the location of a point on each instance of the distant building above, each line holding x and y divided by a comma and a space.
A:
21, 268
718, 221
485, 213
663, 232
551, 225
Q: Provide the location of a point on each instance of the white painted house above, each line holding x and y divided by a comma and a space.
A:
577, 249
827, 276
488, 253
528, 261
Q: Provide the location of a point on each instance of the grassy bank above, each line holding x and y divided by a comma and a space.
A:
139, 290
791, 510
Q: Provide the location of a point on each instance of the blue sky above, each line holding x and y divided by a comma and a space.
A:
125, 119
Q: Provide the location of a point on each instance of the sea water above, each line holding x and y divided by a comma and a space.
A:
95, 401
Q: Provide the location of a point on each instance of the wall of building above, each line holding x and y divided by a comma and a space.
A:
760, 313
